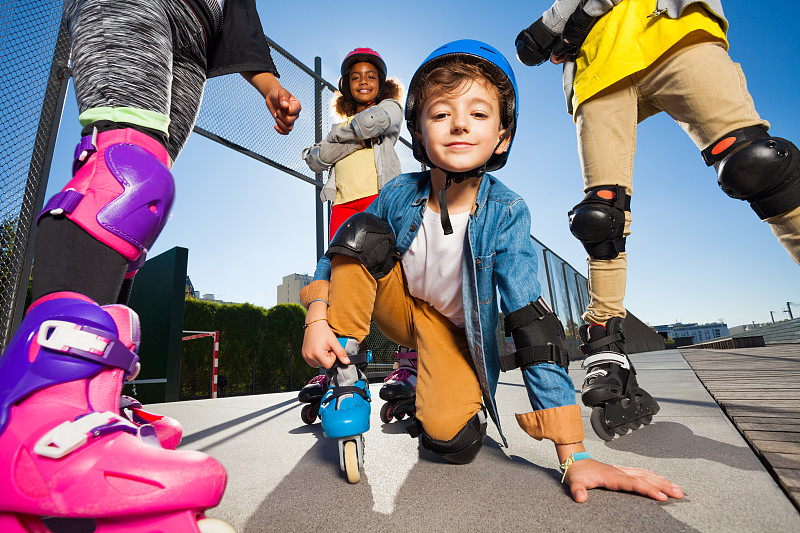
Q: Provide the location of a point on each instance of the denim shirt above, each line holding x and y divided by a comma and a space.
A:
498, 257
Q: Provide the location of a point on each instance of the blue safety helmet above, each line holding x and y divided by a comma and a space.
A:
475, 49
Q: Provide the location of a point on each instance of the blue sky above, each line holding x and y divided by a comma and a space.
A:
695, 255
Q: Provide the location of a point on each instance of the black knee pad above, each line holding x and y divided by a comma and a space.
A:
599, 221
763, 170
538, 337
369, 239
462, 448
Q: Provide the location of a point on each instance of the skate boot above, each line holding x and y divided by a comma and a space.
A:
345, 408
65, 451
168, 430
400, 387
312, 394
610, 388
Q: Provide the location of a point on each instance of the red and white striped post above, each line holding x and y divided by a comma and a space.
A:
215, 356
215, 366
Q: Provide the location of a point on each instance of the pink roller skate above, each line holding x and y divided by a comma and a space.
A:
312, 394
64, 449
399, 389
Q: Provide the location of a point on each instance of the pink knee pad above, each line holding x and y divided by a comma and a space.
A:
121, 191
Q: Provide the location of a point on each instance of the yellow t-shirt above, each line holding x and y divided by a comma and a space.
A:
356, 175
625, 41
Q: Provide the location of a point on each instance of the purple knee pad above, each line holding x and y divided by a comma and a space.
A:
121, 191
64, 337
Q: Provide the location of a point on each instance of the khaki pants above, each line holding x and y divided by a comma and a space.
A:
448, 392
705, 92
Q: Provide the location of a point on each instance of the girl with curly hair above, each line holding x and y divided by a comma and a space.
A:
358, 153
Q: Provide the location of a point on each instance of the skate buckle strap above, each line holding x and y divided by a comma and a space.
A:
401, 374
63, 202
606, 357
87, 343
593, 346
71, 435
345, 390
86, 147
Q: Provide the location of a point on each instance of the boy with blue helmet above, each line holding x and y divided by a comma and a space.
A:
426, 261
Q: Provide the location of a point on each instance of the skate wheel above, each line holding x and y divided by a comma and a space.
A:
308, 414
646, 419
636, 424
386, 413
622, 429
351, 462
399, 416
598, 420
214, 525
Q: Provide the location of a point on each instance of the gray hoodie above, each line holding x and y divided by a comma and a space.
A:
381, 121
556, 18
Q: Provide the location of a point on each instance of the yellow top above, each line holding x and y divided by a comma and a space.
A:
356, 175
625, 40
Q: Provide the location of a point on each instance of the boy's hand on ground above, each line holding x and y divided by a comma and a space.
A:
590, 474
321, 348
284, 108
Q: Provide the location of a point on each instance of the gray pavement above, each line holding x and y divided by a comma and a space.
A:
284, 475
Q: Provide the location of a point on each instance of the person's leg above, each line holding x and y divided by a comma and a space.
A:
186, 93
62, 371
606, 129
122, 55
449, 407
706, 93
607, 126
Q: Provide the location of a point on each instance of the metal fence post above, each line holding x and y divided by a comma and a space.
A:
318, 87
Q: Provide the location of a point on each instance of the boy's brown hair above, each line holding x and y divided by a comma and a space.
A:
452, 75
344, 107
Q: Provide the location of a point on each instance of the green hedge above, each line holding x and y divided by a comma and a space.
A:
259, 349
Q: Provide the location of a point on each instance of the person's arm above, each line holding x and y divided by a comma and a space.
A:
326, 153
283, 107
381, 119
556, 417
577, 28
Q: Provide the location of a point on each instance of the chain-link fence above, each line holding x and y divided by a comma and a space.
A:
34, 52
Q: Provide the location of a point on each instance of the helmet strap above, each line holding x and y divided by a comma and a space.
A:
458, 177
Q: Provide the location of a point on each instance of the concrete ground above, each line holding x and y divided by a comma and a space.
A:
284, 475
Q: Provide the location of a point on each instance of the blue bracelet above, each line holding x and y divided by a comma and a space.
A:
571, 459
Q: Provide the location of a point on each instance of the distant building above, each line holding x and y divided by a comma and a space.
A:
209, 297
289, 290
698, 332
190, 292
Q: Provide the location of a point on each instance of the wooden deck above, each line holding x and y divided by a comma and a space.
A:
759, 390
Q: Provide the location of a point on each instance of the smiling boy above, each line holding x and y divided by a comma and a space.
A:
426, 262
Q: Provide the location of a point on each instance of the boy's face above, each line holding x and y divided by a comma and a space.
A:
460, 131
364, 82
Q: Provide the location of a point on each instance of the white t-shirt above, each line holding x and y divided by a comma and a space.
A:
432, 264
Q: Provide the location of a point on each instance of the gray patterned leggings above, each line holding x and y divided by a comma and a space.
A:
141, 62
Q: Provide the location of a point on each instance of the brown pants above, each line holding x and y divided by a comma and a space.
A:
706, 93
448, 392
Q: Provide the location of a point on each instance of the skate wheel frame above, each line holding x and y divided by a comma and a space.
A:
351, 457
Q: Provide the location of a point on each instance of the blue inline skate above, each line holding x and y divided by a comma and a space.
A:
345, 408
